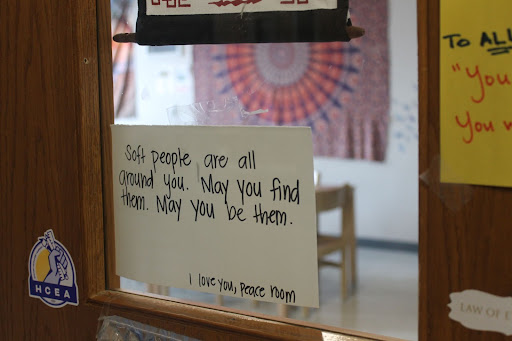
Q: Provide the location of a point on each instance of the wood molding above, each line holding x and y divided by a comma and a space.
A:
85, 46
107, 118
194, 319
427, 16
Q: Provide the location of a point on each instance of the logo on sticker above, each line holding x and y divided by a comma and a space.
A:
52, 276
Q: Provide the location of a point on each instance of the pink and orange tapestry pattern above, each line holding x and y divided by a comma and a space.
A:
340, 90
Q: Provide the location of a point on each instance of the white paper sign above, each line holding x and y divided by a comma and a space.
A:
225, 210
479, 310
188, 7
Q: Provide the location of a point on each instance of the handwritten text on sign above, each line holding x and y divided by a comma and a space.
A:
225, 210
476, 92
188, 7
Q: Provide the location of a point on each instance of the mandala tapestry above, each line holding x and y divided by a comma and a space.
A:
338, 89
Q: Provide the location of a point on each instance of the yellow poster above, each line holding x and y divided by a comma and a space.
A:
476, 92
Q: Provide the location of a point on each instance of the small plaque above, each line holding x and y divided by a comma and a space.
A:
479, 310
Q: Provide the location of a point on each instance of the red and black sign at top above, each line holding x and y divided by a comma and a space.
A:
180, 22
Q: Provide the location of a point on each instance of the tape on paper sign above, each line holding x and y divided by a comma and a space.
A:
479, 310
52, 276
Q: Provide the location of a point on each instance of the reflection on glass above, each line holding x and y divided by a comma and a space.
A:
359, 98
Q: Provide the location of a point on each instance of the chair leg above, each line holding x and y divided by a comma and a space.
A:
305, 312
353, 266
157, 289
349, 226
343, 269
283, 310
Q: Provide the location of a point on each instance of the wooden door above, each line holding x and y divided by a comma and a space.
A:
56, 107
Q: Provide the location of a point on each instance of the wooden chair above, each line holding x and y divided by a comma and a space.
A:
327, 199
330, 198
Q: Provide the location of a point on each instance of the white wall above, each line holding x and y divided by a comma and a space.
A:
387, 193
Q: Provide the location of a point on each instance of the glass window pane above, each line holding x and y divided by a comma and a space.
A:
359, 98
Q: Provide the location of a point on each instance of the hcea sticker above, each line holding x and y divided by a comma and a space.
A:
52, 276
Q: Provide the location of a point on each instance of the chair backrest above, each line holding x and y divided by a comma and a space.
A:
328, 198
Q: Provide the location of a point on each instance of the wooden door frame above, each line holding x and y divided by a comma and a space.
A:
173, 309
428, 91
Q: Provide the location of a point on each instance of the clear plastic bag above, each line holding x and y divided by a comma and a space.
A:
115, 328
